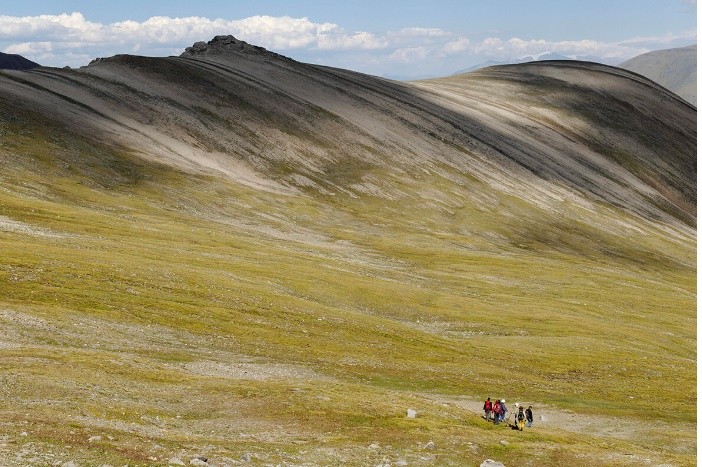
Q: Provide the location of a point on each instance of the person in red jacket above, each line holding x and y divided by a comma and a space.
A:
496, 412
487, 407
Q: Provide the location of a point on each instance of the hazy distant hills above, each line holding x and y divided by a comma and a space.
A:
236, 256
15, 62
675, 69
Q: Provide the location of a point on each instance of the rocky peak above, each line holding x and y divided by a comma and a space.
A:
223, 45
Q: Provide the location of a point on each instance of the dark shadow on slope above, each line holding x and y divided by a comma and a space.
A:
34, 142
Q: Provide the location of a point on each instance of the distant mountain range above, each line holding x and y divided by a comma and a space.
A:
16, 62
674, 69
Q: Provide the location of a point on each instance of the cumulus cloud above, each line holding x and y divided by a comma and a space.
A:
30, 48
338, 40
409, 54
456, 46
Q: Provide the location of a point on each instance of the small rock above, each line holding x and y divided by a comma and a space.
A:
491, 463
542, 418
199, 460
175, 461
411, 413
69, 464
430, 446
374, 446
94, 439
504, 443
401, 462
24, 433
246, 457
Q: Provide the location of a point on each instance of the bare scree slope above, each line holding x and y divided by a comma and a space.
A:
233, 254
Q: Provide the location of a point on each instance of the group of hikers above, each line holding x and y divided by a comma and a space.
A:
497, 412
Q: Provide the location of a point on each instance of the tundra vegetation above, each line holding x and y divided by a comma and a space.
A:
234, 255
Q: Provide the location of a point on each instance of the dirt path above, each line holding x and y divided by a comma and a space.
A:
591, 425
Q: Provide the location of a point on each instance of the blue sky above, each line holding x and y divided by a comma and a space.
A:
384, 37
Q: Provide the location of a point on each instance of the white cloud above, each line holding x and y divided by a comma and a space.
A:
460, 45
30, 48
337, 40
409, 54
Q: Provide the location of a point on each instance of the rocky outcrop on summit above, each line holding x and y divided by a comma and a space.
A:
226, 45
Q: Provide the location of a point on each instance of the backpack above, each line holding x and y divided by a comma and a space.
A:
520, 416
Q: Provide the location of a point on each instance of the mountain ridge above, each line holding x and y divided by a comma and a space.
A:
542, 57
308, 98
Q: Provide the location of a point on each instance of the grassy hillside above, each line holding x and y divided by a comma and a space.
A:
290, 303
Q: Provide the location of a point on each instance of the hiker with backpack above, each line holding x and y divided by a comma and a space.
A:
503, 406
529, 417
520, 418
496, 412
487, 407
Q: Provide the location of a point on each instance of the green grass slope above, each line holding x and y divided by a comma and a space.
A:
220, 256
